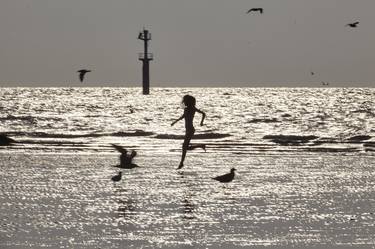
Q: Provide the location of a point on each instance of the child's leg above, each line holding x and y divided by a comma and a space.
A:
185, 147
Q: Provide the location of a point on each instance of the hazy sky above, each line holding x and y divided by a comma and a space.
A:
195, 42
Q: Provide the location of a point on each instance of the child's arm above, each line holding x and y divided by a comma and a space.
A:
178, 119
203, 116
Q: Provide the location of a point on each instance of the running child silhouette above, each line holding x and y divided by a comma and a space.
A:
189, 112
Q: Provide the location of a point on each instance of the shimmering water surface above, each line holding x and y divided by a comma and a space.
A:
304, 160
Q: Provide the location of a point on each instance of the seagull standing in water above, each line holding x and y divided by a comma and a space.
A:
227, 177
260, 10
352, 25
125, 159
82, 73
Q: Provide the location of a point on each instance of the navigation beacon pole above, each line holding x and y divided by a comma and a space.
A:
145, 57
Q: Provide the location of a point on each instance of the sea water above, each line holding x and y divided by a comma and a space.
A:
304, 160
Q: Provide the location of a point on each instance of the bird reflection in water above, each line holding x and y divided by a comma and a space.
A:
126, 208
188, 208
126, 205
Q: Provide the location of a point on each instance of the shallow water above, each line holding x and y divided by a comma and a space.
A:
304, 160
304, 201
238, 119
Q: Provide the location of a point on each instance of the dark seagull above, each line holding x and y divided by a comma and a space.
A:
125, 159
117, 178
352, 25
82, 73
227, 177
260, 10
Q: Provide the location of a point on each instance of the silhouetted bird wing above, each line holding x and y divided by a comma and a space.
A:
133, 154
82, 73
225, 178
5, 140
120, 149
255, 9
353, 25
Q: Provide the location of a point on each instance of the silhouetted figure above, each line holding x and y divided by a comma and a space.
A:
352, 25
82, 73
227, 177
260, 10
189, 112
125, 159
117, 178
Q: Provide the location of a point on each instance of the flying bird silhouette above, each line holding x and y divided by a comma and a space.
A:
352, 25
125, 159
82, 73
227, 177
117, 178
260, 10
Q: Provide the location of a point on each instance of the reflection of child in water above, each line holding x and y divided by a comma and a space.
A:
189, 112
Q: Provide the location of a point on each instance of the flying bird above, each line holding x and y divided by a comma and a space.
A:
260, 10
352, 25
125, 159
117, 178
227, 177
82, 73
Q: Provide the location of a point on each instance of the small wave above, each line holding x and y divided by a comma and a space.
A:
5, 140
290, 139
369, 144
264, 120
30, 119
359, 138
228, 94
197, 136
136, 133
23, 118
333, 149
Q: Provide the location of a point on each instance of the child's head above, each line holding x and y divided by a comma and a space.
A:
188, 101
